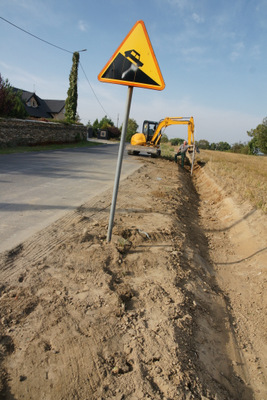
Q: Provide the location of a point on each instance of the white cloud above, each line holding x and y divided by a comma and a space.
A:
181, 4
239, 46
237, 51
29, 14
255, 52
82, 26
195, 50
28, 5
197, 18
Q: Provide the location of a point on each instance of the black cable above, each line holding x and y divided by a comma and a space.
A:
36, 37
93, 90
60, 48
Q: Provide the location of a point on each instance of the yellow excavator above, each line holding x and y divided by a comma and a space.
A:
149, 140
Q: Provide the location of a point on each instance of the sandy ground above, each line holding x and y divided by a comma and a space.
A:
174, 307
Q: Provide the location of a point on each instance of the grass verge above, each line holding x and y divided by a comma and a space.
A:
168, 151
240, 175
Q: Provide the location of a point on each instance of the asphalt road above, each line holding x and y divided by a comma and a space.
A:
38, 188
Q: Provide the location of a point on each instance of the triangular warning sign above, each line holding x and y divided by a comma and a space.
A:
134, 62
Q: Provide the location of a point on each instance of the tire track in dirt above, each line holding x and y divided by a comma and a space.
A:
50, 238
141, 317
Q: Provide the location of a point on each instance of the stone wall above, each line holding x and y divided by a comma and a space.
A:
14, 132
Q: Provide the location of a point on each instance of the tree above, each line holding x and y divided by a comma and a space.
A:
95, 127
203, 144
237, 147
6, 98
259, 138
114, 132
105, 123
72, 99
11, 104
164, 138
241, 148
176, 141
223, 146
253, 146
131, 129
213, 146
244, 149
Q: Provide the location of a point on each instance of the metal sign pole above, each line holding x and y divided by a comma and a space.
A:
119, 162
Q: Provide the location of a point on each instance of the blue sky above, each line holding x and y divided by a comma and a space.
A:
212, 55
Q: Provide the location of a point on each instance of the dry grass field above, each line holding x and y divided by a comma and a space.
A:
242, 176
245, 177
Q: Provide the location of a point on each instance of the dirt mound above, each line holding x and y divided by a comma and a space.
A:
141, 317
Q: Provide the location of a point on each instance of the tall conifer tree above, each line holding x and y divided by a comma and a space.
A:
72, 99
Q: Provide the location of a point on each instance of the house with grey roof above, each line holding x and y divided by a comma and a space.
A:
40, 108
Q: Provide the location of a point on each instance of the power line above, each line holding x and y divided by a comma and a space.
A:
36, 37
60, 48
93, 90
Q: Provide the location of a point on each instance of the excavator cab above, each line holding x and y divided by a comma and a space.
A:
149, 128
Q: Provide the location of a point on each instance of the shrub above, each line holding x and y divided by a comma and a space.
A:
176, 141
11, 104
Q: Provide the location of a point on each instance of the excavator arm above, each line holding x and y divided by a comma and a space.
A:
174, 121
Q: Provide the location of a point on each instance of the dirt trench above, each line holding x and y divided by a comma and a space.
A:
160, 312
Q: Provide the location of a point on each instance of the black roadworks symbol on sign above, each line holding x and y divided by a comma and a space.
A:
127, 68
135, 63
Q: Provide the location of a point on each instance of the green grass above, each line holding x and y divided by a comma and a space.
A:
168, 151
24, 149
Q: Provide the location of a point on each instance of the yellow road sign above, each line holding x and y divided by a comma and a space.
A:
134, 62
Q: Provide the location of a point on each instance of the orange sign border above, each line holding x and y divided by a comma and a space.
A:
129, 83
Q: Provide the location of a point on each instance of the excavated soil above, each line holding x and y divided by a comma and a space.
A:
174, 307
